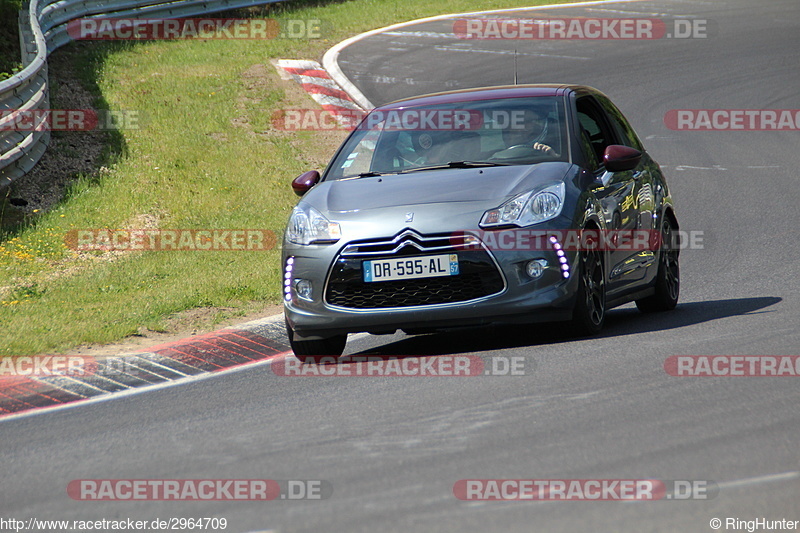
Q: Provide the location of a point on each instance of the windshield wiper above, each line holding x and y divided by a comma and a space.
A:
451, 164
370, 174
459, 164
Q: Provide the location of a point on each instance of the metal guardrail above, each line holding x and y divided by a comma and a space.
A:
43, 28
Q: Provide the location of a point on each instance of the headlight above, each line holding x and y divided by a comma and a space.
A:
527, 208
308, 226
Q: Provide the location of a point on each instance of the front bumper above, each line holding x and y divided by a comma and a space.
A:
519, 299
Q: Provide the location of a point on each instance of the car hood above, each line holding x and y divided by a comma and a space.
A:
489, 185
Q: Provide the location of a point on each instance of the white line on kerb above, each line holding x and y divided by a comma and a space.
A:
331, 57
171, 383
138, 390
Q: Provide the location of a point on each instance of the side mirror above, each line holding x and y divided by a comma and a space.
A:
302, 183
618, 158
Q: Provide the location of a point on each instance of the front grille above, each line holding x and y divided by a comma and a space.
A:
478, 275
407, 242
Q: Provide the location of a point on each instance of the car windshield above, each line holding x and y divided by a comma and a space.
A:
508, 131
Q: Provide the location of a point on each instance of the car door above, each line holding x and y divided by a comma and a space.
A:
619, 194
626, 136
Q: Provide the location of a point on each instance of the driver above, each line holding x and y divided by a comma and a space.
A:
529, 132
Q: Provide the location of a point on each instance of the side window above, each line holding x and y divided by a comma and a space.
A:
361, 152
622, 128
595, 132
586, 143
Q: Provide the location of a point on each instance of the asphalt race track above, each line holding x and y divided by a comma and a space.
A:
392, 448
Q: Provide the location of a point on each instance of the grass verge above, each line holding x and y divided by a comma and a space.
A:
203, 156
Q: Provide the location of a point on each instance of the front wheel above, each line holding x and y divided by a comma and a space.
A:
589, 314
312, 351
668, 278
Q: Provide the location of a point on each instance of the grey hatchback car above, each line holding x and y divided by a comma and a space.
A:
497, 205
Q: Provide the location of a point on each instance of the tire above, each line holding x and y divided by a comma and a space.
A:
589, 313
313, 351
668, 278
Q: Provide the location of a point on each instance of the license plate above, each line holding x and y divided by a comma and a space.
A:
430, 266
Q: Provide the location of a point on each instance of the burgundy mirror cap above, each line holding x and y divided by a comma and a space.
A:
618, 157
302, 183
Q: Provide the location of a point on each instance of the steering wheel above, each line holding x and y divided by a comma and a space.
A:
522, 150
